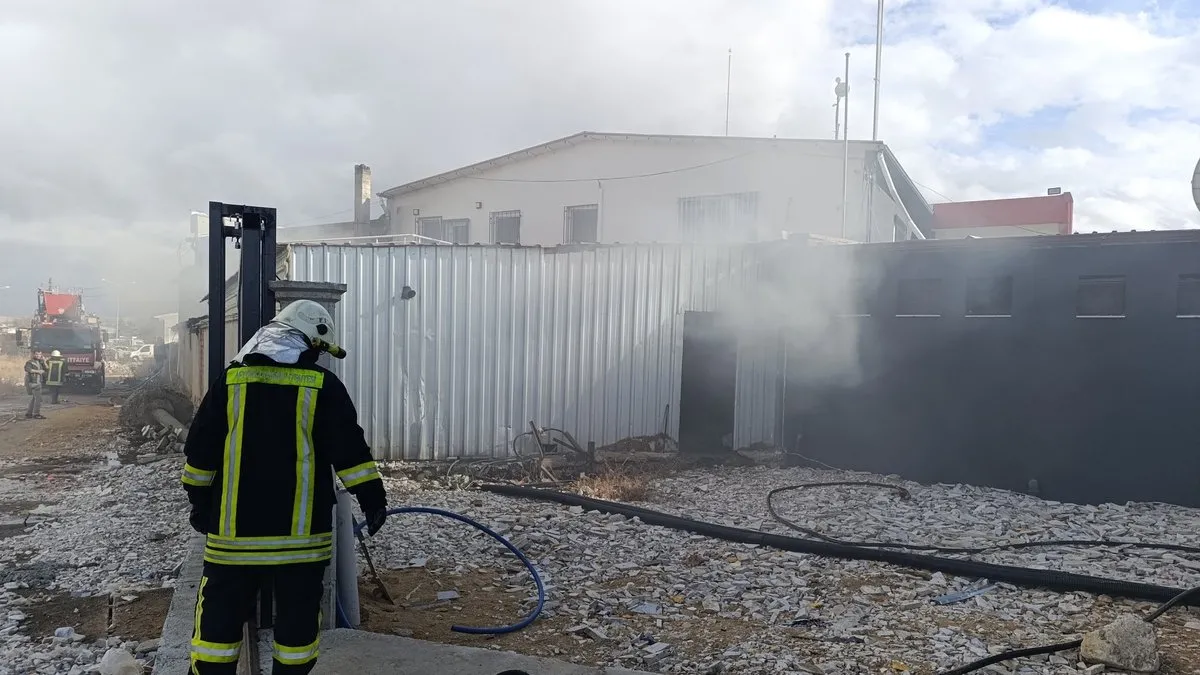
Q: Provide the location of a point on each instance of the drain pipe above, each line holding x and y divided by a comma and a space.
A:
345, 558
881, 158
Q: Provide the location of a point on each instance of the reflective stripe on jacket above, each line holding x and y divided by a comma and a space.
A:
262, 453
35, 372
56, 369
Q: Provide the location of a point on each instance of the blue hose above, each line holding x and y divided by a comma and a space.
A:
499, 630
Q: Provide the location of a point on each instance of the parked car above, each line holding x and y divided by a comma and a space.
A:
145, 352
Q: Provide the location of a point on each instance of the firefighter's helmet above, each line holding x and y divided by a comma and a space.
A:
56, 354
314, 321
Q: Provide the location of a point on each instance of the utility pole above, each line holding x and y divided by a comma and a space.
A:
846, 147
878, 67
728, 80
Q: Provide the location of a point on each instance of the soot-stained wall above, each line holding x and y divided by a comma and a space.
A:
1070, 361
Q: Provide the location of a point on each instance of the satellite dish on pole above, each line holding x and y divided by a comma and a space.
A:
1196, 185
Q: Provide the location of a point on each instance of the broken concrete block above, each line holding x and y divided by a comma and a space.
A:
1129, 643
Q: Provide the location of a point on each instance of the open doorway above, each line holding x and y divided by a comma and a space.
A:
707, 384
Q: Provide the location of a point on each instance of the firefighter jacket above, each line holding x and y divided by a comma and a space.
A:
35, 372
56, 370
259, 458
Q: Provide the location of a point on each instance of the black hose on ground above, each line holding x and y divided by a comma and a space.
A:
1062, 646
904, 494
1017, 576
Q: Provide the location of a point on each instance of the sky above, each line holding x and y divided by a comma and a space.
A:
121, 117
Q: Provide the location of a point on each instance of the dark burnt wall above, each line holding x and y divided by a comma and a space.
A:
1060, 360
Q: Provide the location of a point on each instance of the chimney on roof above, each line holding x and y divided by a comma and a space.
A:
1054, 191
362, 194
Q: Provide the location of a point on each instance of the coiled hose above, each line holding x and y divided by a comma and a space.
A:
472, 630
1017, 576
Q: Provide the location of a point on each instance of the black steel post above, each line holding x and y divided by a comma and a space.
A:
250, 283
216, 289
270, 264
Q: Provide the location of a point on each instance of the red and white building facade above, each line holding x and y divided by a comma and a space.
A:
1020, 217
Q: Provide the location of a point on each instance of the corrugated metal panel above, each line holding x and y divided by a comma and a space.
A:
584, 339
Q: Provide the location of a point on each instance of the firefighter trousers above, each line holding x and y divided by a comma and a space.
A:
226, 599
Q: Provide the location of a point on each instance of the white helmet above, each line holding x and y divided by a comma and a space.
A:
56, 353
314, 321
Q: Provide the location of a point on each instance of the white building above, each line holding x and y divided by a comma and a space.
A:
608, 188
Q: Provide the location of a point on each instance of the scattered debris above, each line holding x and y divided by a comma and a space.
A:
117, 661
172, 397
1128, 643
746, 610
951, 598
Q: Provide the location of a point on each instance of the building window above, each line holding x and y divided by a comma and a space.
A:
899, 229
919, 297
458, 230
989, 296
1187, 299
581, 224
719, 218
1100, 296
506, 227
859, 298
451, 230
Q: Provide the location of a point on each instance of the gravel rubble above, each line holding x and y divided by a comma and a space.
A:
639, 596
93, 527
724, 607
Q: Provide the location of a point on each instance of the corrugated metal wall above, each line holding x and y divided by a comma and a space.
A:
584, 339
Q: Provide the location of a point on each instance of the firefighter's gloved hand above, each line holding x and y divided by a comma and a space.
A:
375, 520
199, 520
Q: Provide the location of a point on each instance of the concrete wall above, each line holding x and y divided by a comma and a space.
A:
192, 364
799, 186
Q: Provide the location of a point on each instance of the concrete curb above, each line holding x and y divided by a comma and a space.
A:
174, 654
362, 653
352, 651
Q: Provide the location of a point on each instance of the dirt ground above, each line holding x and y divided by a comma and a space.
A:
138, 619
80, 417
493, 597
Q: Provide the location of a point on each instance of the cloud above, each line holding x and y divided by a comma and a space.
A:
128, 114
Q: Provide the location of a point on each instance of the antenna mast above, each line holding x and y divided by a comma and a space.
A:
878, 67
846, 146
728, 80
839, 92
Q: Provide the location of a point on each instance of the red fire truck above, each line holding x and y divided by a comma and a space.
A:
61, 323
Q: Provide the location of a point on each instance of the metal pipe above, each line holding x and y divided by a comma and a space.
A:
887, 177
846, 148
345, 559
168, 420
878, 67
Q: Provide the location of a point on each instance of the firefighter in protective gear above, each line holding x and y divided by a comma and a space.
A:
35, 377
259, 478
56, 371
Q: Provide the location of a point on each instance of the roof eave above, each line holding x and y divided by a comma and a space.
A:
924, 215
479, 167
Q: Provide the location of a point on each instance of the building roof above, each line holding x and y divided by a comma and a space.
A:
573, 140
909, 195
1018, 212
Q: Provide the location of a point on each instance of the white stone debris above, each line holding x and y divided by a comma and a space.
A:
1129, 643
90, 525
733, 608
